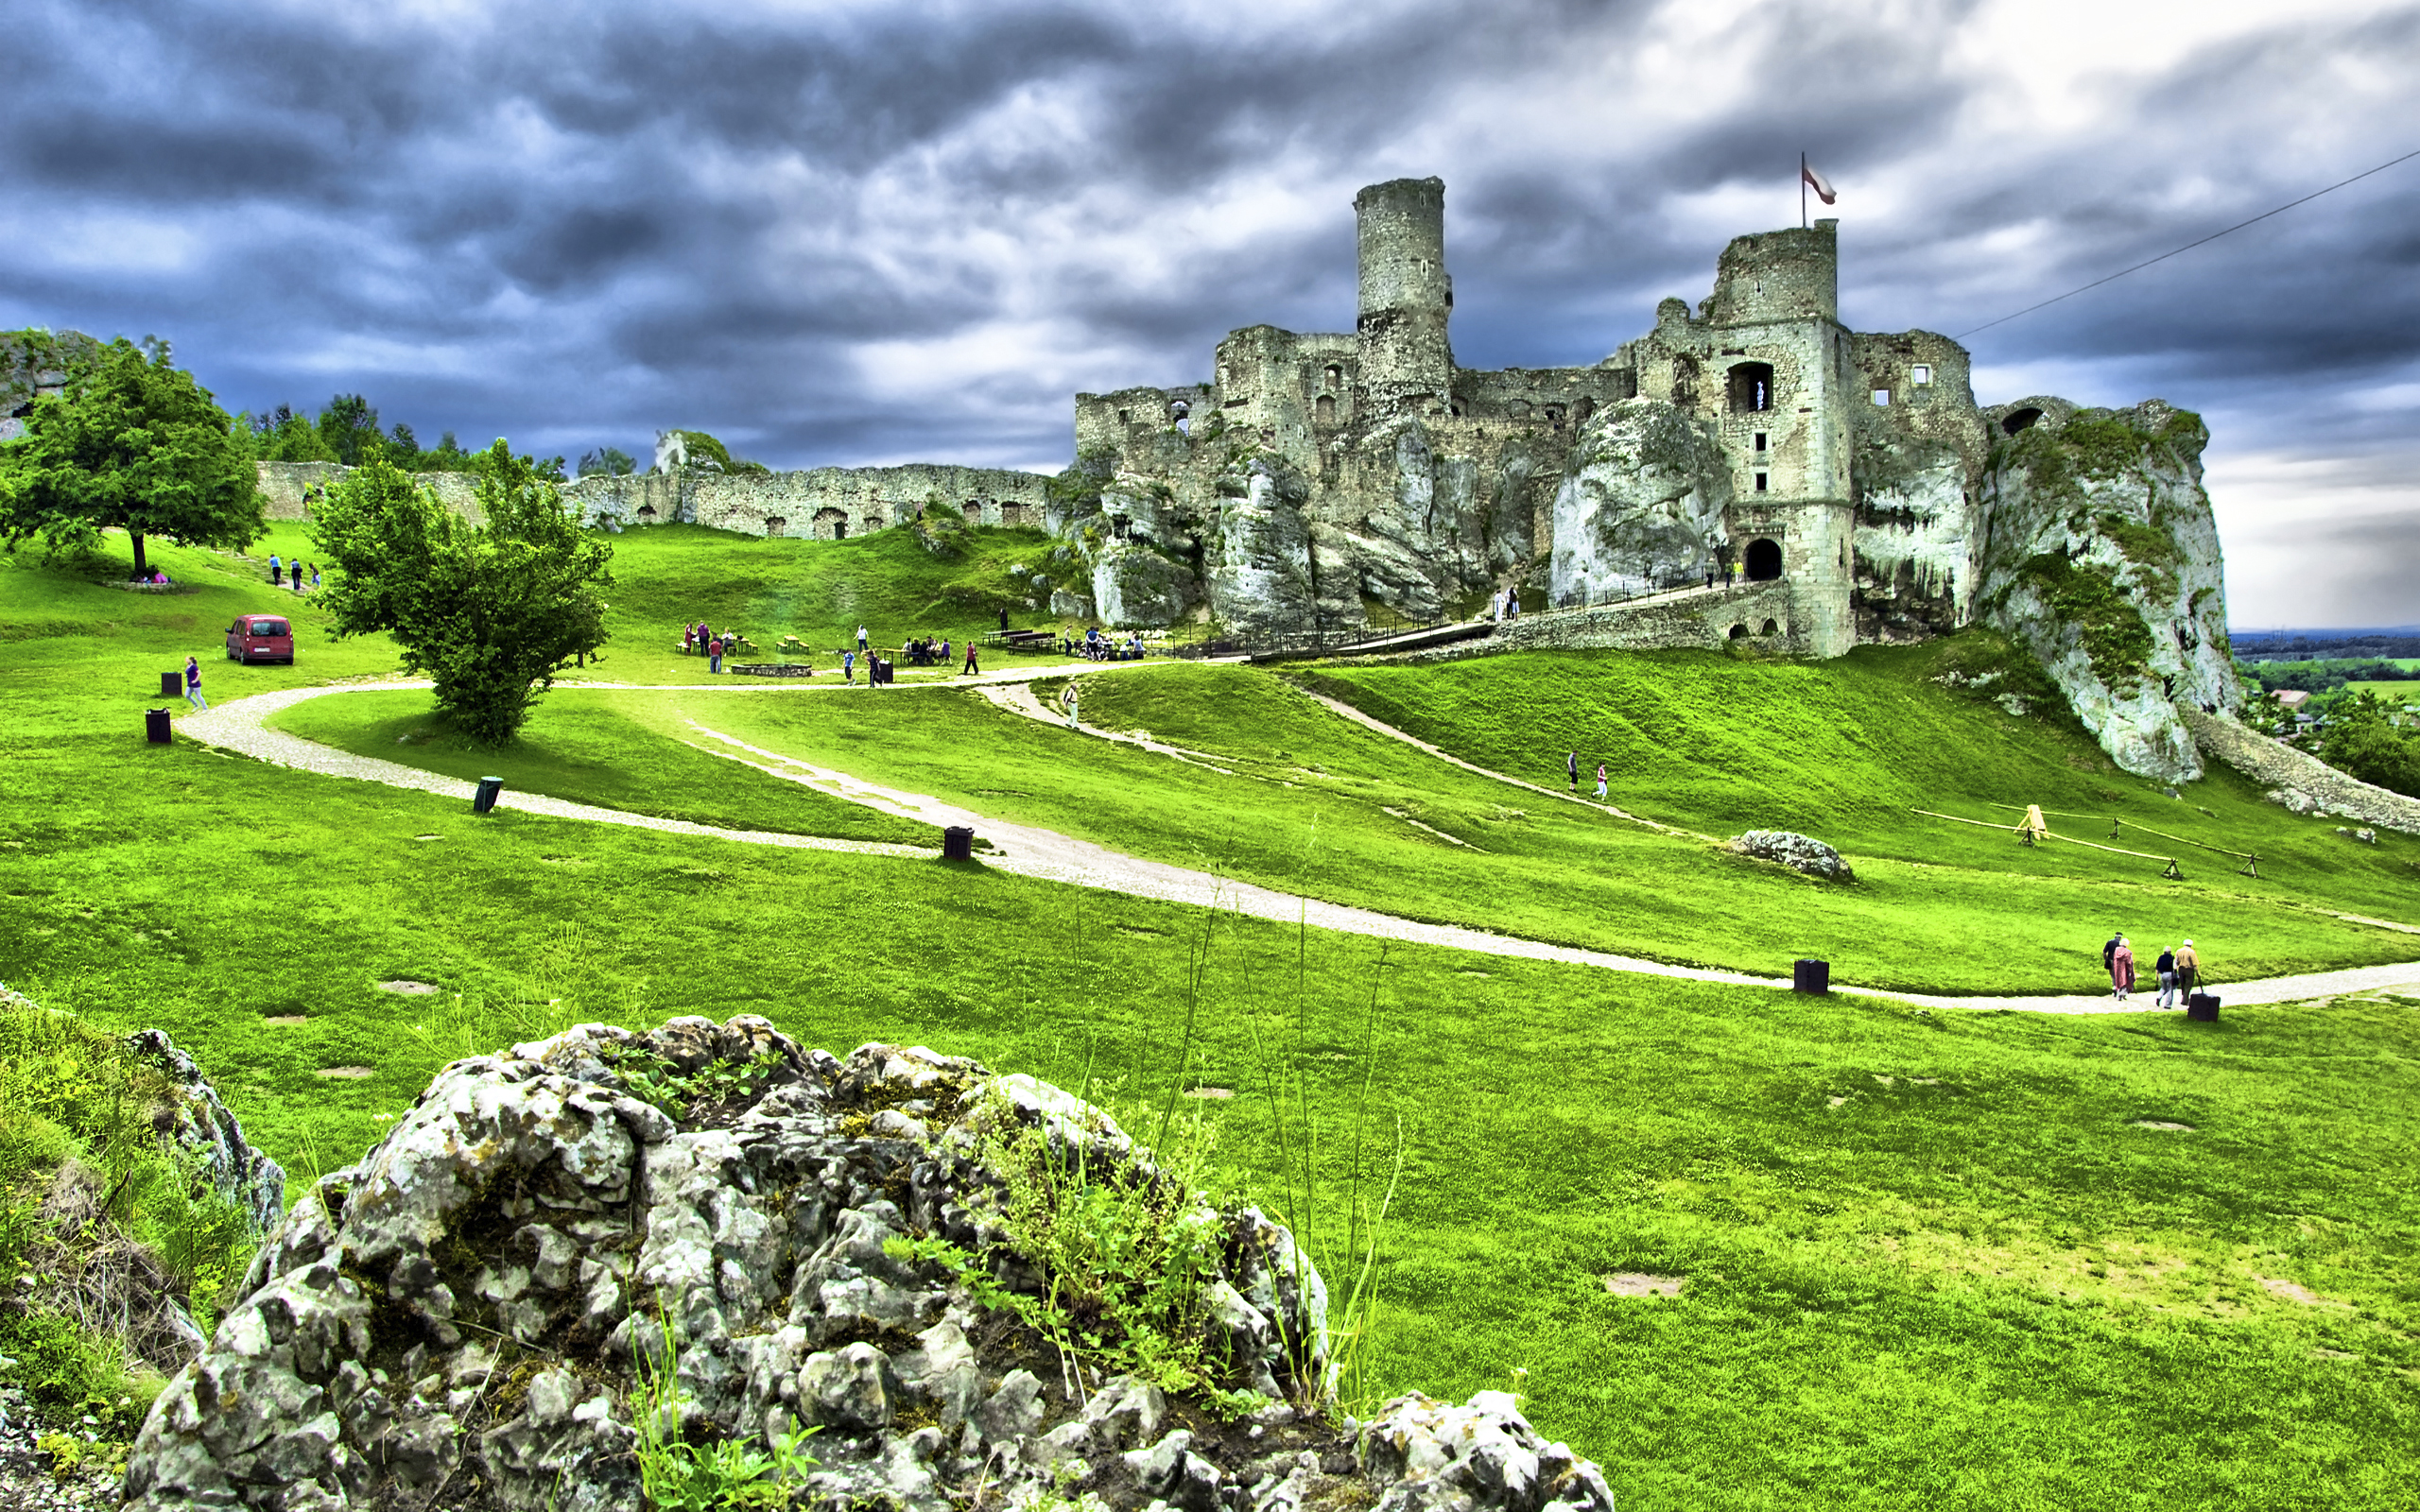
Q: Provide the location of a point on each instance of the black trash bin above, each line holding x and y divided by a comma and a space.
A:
2201, 1008
957, 843
484, 799
172, 684
155, 726
1810, 976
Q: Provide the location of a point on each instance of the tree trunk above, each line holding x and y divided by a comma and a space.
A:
140, 570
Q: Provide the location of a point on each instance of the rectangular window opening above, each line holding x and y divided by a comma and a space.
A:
1760, 440
1922, 374
1882, 396
1761, 481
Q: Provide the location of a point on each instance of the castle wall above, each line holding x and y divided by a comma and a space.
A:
821, 502
1919, 450
1700, 620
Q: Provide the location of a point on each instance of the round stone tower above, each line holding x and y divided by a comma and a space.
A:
1405, 294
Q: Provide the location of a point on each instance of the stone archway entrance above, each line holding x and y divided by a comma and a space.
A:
831, 524
1763, 560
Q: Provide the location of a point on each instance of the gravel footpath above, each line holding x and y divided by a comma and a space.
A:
1026, 851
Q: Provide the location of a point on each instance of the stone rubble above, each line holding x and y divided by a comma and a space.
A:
455, 1321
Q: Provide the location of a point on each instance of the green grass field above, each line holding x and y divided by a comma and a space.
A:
2399, 694
1930, 1258
1303, 800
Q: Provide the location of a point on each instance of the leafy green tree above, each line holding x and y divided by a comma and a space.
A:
611, 461
282, 436
2360, 737
349, 426
706, 452
133, 444
490, 612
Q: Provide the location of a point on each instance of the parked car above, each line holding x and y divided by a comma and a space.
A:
261, 638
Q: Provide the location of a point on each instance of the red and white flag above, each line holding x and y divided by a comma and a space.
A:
1816, 181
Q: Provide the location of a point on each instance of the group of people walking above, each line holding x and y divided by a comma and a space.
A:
2178, 971
1571, 769
280, 570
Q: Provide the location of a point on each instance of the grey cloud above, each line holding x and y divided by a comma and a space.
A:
596, 219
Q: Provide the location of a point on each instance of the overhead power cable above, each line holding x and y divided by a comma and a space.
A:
2189, 246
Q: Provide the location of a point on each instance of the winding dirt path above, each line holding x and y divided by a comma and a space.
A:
1032, 851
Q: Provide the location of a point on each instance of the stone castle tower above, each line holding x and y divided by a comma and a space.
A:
1323, 482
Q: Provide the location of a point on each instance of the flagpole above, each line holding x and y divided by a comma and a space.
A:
1802, 191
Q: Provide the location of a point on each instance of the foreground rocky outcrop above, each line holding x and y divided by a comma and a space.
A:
569, 1261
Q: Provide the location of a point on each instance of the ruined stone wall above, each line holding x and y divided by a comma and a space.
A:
291, 487
830, 501
1920, 447
823, 502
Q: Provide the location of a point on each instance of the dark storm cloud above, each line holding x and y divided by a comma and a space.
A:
868, 232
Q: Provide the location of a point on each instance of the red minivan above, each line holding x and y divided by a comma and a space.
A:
261, 638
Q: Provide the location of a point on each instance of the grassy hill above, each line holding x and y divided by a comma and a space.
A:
1954, 1259
1295, 797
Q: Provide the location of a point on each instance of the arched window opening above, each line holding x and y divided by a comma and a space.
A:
1771, 627
1739, 632
647, 514
2021, 419
972, 509
1335, 376
1751, 387
775, 525
1763, 560
1325, 408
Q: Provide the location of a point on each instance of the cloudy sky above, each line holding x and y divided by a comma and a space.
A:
858, 233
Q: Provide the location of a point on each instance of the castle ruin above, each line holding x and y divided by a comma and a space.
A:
1755, 432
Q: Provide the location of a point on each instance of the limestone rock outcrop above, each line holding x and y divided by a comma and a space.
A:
1258, 565
194, 1119
1640, 506
1798, 852
2103, 560
601, 1243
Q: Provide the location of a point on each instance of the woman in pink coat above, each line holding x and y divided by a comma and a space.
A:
2121, 968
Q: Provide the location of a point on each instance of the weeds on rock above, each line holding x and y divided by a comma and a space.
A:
1127, 1252
114, 1248
680, 1476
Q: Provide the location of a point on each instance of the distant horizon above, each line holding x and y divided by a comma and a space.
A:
2330, 631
